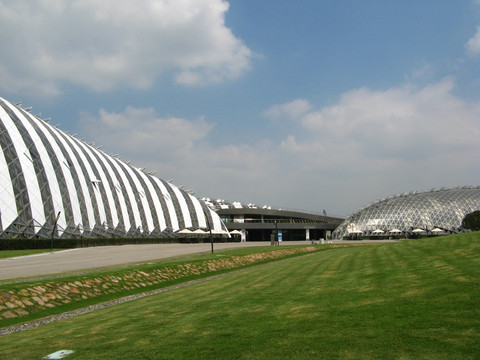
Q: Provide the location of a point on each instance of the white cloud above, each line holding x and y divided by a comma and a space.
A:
473, 45
388, 141
144, 134
291, 110
370, 144
404, 122
178, 148
110, 44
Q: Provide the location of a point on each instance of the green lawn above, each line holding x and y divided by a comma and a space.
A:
14, 253
24, 300
416, 299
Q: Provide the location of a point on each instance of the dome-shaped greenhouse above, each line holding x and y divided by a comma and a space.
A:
429, 212
52, 183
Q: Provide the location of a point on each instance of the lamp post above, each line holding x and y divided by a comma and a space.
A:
276, 233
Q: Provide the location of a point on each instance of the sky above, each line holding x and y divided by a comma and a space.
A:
308, 105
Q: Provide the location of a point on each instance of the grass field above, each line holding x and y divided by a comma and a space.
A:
13, 253
24, 300
417, 299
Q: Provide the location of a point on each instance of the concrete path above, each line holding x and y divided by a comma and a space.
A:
104, 256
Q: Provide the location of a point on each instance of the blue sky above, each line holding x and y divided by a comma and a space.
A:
307, 104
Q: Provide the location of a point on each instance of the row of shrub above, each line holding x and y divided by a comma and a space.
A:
26, 244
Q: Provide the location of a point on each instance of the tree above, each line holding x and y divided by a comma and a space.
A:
472, 221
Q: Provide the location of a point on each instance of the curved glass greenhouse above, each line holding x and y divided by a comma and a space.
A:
430, 212
54, 184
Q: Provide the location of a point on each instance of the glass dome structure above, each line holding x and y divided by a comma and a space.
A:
415, 212
52, 183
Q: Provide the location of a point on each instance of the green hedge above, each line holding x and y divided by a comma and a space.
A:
26, 244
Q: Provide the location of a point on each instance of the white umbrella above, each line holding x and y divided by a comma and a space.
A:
378, 231
395, 231
418, 230
215, 231
185, 231
437, 230
355, 232
199, 232
236, 232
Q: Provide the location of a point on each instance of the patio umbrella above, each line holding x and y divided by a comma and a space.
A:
185, 231
437, 230
418, 230
395, 231
355, 232
199, 232
378, 231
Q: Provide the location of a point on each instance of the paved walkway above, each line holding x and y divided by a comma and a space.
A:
105, 256
102, 256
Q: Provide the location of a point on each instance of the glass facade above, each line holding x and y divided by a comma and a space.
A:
52, 182
415, 212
